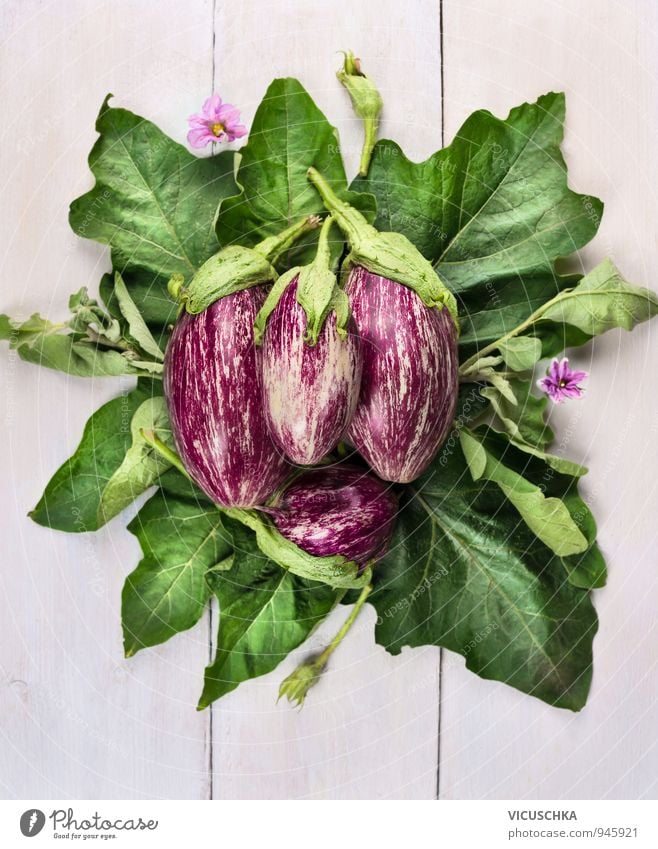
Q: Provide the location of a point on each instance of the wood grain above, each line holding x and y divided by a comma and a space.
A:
359, 734
77, 719
496, 743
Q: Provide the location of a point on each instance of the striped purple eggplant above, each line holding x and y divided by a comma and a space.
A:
213, 386
310, 391
410, 381
213, 374
338, 509
407, 321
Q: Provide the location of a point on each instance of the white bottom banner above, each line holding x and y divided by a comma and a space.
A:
291, 824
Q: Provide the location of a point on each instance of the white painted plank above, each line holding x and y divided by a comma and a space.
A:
77, 719
496, 743
369, 729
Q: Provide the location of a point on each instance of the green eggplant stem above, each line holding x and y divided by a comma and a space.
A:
273, 246
350, 220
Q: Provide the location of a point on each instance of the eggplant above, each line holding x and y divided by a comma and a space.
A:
213, 376
312, 359
407, 321
340, 509
410, 379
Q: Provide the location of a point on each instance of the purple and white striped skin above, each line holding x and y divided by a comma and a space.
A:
213, 387
310, 391
410, 376
339, 509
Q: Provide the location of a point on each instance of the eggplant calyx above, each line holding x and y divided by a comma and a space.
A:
318, 293
236, 268
389, 255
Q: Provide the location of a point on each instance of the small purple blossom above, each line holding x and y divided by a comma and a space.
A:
217, 121
560, 382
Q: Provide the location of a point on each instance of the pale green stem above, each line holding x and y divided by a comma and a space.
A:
323, 254
273, 246
322, 659
370, 126
350, 220
164, 451
536, 315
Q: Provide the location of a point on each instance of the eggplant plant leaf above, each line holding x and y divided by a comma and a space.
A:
524, 421
548, 518
142, 465
56, 346
154, 202
288, 135
149, 294
492, 211
601, 301
264, 613
168, 592
587, 569
137, 327
466, 573
72, 497
520, 353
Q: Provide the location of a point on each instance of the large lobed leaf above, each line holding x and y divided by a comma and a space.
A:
492, 211
289, 134
464, 572
181, 540
72, 498
154, 202
264, 613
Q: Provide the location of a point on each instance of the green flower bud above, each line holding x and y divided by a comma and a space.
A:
366, 101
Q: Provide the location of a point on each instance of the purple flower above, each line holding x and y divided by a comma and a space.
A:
217, 121
560, 382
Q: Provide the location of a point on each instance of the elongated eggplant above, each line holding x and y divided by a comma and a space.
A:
338, 509
213, 385
409, 385
311, 359
213, 377
407, 320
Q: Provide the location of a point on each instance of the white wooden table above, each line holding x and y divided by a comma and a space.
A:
76, 719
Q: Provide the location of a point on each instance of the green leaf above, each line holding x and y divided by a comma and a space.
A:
492, 211
464, 572
524, 421
548, 518
521, 352
264, 613
137, 327
471, 404
73, 495
150, 296
167, 592
89, 319
154, 202
142, 465
586, 569
601, 301
288, 135
559, 464
54, 346
174, 483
